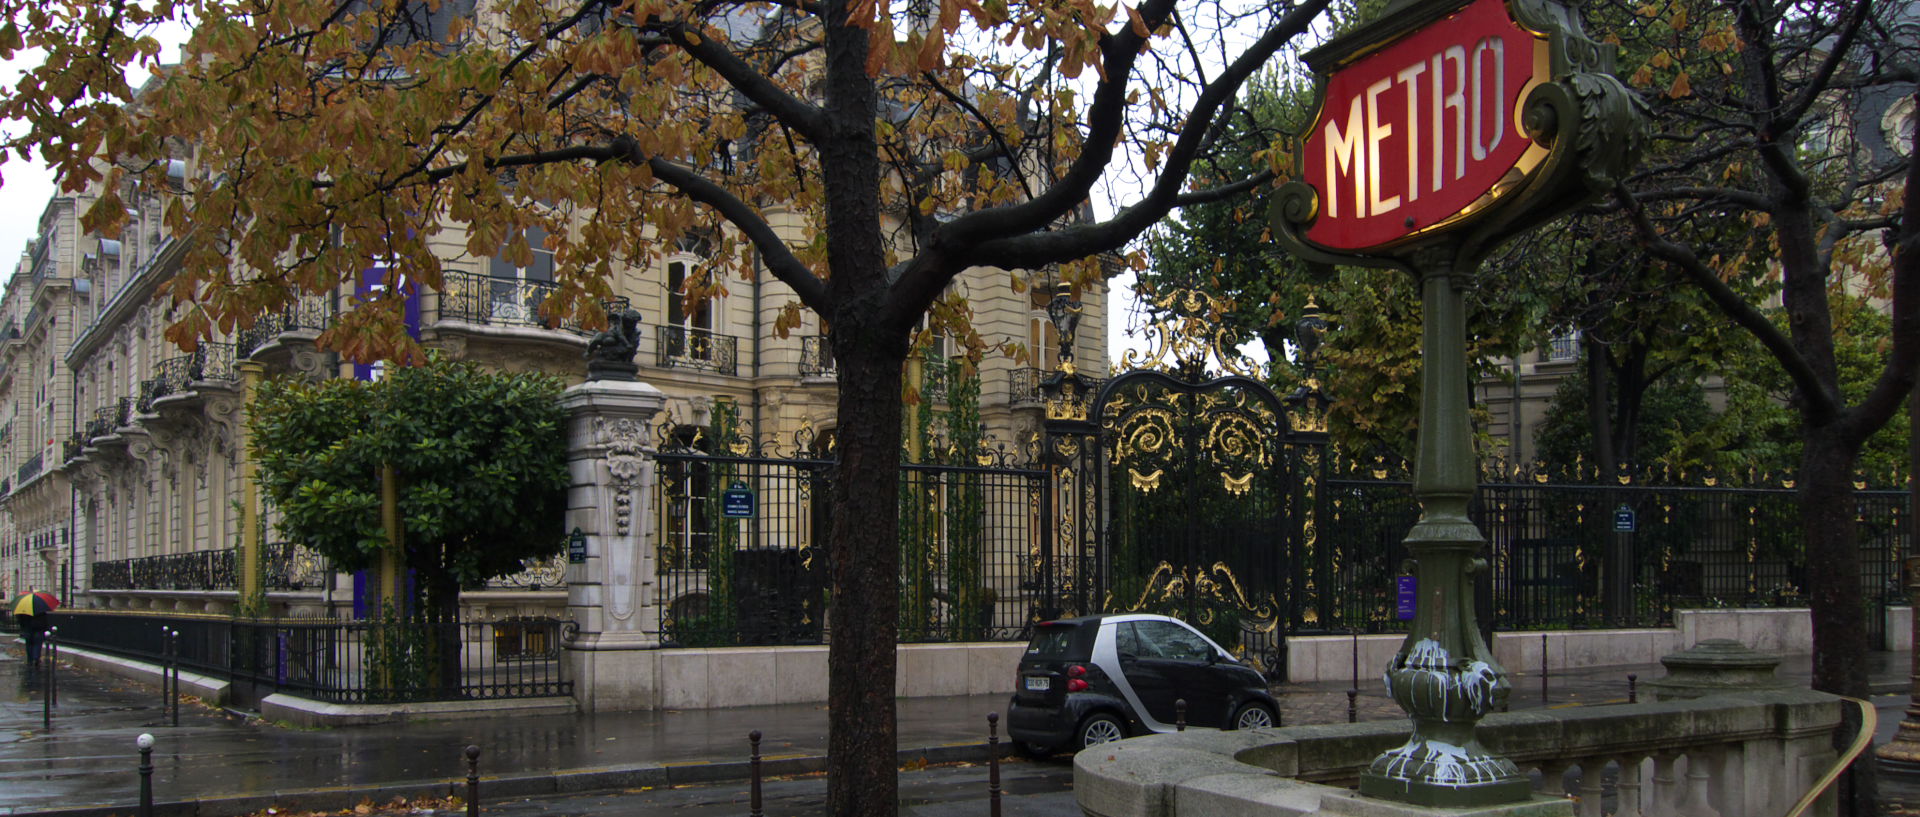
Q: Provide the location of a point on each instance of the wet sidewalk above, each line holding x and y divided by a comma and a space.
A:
89, 757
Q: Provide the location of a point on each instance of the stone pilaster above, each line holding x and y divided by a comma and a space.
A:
612, 597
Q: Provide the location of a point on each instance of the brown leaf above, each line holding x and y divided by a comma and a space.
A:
1681, 87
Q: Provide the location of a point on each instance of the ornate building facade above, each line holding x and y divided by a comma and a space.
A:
128, 455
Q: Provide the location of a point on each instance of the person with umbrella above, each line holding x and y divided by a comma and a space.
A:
31, 610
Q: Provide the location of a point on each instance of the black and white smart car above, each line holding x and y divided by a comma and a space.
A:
1094, 679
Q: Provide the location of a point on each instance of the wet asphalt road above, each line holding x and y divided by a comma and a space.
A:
1029, 789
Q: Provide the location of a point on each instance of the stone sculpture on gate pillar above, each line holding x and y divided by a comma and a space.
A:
612, 598
1445, 128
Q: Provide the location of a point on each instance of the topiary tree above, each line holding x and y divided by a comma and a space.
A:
480, 456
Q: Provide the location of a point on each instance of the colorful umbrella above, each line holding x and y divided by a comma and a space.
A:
34, 604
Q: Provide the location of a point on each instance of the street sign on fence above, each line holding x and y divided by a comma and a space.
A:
737, 502
1623, 520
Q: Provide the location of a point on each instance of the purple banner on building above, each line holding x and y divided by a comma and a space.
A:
372, 282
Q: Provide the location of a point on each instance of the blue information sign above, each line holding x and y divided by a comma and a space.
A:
577, 546
737, 501
1623, 520
1409, 587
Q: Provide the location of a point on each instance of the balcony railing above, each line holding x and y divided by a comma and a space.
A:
30, 468
308, 313
211, 362
198, 570
125, 416
816, 357
493, 301
288, 567
1024, 386
679, 347
105, 420
71, 446
293, 566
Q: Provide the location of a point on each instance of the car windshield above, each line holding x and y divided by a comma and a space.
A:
1050, 642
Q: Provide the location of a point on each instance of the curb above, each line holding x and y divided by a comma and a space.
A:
333, 798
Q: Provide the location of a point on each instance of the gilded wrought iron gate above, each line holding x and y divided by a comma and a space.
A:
1178, 493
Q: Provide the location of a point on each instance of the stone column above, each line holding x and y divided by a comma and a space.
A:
253, 594
612, 597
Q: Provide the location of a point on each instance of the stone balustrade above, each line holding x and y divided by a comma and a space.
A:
1747, 753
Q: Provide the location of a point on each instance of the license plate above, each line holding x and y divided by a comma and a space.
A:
1038, 683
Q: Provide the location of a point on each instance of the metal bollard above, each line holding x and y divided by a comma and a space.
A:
145, 742
173, 696
1356, 658
993, 764
53, 665
48, 689
1180, 715
753, 797
1543, 669
1633, 688
1353, 708
473, 780
166, 672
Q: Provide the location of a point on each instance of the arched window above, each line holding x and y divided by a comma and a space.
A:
689, 337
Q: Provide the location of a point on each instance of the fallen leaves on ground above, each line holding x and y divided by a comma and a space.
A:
398, 805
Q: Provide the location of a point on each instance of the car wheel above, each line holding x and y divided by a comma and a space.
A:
1254, 715
1097, 729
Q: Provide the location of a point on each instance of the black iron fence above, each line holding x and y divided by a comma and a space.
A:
1550, 545
344, 661
740, 561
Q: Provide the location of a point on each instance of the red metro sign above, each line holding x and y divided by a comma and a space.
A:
1425, 130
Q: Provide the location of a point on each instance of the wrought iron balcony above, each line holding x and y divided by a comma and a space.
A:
933, 385
308, 313
71, 446
494, 301
105, 420
288, 567
125, 416
154, 388
212, 362
1024, 386
30, 469
292, 566
816, 357
198, 570
682, 348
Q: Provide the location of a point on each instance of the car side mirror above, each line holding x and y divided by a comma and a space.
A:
1213, 657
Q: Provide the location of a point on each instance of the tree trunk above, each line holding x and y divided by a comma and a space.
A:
442, 621
869, 347
861, 738
1599, 407
1839, 611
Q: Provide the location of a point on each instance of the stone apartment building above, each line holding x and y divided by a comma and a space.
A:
124, 453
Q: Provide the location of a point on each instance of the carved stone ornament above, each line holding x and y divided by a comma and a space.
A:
624, 440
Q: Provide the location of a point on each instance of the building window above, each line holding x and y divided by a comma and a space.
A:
1564, 347
515, 292
689, 330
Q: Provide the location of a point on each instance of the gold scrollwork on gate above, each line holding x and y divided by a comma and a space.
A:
1216, 583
